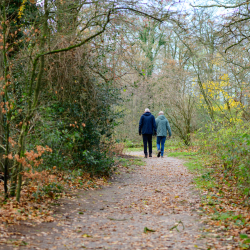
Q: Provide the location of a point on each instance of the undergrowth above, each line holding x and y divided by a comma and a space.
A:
221, 199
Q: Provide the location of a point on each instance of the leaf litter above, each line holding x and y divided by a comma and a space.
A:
129, 214
36, 208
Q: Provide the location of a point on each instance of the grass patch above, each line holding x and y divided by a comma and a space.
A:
133, 144
128, 162
204, 184
171, 148
139, 162
195, 164
134, 149
182, 155
170, 145
229, 216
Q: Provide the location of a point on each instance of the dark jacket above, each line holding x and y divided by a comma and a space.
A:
147, 124
162, 125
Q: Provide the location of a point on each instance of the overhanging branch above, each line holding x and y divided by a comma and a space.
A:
221, 5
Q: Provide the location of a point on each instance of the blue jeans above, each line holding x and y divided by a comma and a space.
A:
160, 143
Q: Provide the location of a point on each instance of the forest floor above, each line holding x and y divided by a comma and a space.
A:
154, 206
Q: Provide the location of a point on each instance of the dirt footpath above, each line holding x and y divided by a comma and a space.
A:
151, 207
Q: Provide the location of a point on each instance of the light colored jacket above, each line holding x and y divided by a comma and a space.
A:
162, 126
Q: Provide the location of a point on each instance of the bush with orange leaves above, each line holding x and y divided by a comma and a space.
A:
30, 162
32, 158
42, 178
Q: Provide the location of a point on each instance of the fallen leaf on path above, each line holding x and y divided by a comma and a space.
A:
148, 230
86, 236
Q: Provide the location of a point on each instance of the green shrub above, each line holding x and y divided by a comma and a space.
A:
76, 132
50, 189
97, 163
231, 146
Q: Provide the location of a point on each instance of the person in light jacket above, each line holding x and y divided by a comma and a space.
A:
147, 128
163, 128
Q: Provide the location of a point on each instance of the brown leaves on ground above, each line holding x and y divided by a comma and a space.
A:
39, 190
227, 208
149, 207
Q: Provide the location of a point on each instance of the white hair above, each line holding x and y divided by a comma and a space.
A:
147, 110
161, 113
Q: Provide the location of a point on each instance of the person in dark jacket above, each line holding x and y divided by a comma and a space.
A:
147, 127
163, 128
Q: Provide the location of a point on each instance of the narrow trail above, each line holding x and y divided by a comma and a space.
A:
158, 196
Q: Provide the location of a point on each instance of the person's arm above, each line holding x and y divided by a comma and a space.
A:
168, 129
140, 125
154, 126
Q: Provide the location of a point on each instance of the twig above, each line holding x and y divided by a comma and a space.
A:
116, 219
176, 226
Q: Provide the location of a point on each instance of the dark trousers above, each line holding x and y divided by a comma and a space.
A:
147, 139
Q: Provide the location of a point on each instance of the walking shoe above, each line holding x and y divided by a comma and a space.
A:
158, 153
162, 156
150, 155
146, 156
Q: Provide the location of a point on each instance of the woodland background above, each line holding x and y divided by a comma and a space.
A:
75, 76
